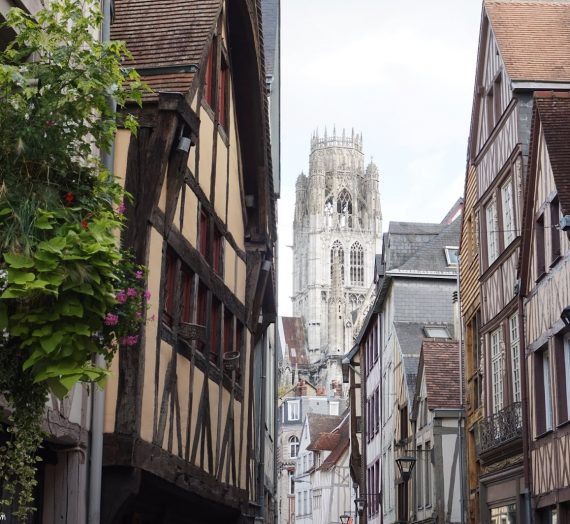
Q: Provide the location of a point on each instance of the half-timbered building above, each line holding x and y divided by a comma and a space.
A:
413, 300
545, 283
189, 408
522, 47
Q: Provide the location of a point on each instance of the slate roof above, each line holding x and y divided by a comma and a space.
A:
163, 34
439, 364
533, 37
404, 239
430, 256
294, 334
270, 18
554, 112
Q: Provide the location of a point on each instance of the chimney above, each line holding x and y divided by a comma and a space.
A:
301, 388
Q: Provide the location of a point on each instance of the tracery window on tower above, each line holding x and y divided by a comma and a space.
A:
329, 209
344, 209
337, 261
357, 264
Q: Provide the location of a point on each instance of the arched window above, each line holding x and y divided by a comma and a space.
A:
357, 264
337, 260
293, 446
344, 209
329, 211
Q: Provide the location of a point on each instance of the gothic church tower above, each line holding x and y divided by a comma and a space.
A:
337, 232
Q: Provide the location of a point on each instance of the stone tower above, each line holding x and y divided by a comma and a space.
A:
337, 231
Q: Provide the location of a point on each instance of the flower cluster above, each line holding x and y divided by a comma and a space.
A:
123, 322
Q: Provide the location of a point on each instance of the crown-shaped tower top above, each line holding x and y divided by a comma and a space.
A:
352, 141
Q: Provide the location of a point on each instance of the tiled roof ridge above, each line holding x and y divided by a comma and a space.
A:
528, 2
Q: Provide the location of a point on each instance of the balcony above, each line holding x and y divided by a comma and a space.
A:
501, 429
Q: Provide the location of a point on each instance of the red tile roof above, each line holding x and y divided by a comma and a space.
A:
340, 446
439, 364
533, 38
554, 112
163, 34
319, 426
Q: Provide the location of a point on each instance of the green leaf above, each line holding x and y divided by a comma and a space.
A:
44, 331
20, 277
56, 386
18, 261
49, 344
72, 307
43, 222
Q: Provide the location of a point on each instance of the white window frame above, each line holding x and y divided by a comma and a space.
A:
294, 446
567, 372
492, 234
548, 418
291, 479
294, 410
515, 356
509, 227
334, 407
448, 255
497, 370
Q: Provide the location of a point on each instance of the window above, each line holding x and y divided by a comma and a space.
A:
344, 209
293, 446
209, 77
217, 252
427, 473
404, 423
539, 246
451, 255
203, 234
554, 228
377, 409
291, 479
334, 407
337, 262
171, 261
420, 477
566, 393
497, 370
436, 332
215, 319
294, 408
223, 93
504, 515
543, 391
509, 232
228, 331
492, 233
187, 283
515, 357
357, 264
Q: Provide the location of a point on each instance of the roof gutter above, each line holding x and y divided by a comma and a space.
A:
167, 69
528, 85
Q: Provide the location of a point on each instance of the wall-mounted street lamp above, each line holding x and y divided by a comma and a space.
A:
406, 465
344, 518
360, 504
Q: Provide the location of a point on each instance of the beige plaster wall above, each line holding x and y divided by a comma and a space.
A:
206, 152
190, 227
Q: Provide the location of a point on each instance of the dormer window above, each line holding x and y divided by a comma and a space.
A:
436, 332
451, 255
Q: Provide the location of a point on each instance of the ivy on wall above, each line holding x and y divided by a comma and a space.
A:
67, 292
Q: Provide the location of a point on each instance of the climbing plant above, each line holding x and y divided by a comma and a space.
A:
67, 292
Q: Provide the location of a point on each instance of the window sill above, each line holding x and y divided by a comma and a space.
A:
555, 260
562, 424
543, 434
540, 277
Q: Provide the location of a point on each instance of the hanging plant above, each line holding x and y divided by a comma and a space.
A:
62, 273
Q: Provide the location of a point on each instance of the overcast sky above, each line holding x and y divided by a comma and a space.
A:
401, 73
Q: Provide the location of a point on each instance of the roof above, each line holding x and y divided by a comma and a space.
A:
440, 368
554, 112
341, 444
404, 239
430, 256
294, 335
319, 427
164, 35
270, 19
533, 37
410, 337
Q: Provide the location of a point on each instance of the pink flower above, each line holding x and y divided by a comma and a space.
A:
121, 209
111, 320
138, 275
121, 297
132, 292
147, 295
131, 340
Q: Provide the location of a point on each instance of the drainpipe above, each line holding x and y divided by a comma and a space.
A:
461, 420
98, 394
525, 422
262, 407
